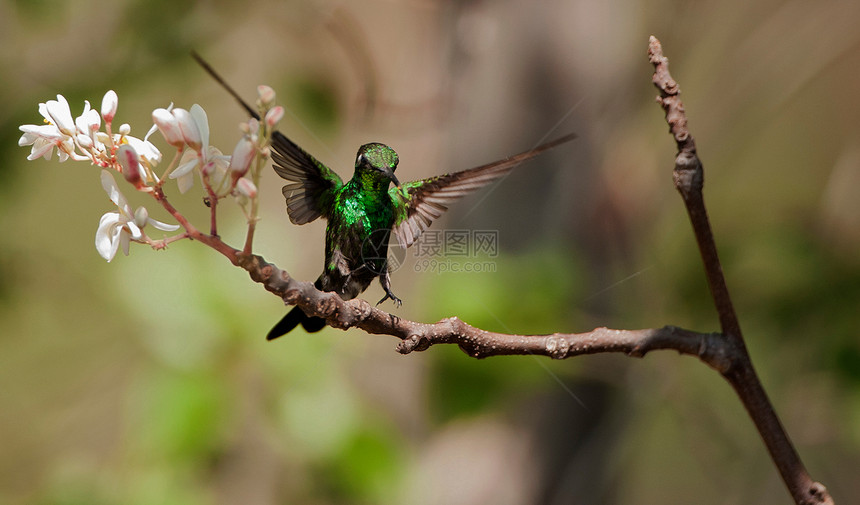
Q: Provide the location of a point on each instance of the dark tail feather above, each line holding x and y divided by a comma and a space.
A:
220, 80
293, 319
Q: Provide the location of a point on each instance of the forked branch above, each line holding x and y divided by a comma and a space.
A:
724, 352
689, 181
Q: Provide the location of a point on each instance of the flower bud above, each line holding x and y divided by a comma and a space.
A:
130, 163
109, 104
189, 129
266, 94
246, 188
168, 126
274, 115
141, 217
242, 156
124, 129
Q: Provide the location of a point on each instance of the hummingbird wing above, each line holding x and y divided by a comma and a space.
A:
313, 184
419, 203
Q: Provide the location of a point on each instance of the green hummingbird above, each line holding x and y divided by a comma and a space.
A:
364, 211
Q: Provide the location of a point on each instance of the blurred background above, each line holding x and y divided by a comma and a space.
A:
148, 380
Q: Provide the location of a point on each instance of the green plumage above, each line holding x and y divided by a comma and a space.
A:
359, 224
363, 213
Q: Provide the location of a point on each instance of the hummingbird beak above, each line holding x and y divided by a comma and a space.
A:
393, 178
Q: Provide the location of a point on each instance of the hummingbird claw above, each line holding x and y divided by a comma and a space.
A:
397, 301
385, 281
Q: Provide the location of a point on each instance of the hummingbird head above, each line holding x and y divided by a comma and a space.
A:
377, 160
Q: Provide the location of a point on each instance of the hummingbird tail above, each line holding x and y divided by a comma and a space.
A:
293, 319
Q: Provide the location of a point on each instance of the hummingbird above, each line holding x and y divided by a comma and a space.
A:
363, 212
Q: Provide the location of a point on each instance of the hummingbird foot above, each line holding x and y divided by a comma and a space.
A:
397, 301
385, 281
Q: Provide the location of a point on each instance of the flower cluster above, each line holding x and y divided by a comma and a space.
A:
115, 150
81, 139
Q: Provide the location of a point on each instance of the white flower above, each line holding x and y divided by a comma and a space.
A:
195, 127
58, 132
190, 127
149, 154
89, 121
211, 161
120, 228
44, 138
58, 112
115, 228
81, 139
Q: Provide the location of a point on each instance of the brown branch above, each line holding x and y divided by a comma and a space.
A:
724, 352
478, 343
689, 181
212, 240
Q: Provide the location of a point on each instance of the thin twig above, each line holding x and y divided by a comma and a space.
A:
689, 181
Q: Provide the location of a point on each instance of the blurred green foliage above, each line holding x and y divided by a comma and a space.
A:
315, 100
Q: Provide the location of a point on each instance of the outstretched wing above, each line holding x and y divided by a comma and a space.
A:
313, 184
421, 202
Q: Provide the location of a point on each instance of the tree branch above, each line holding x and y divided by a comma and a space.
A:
724, 352
689, 181
478, 343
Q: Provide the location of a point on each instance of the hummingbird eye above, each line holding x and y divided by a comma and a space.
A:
361, 160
